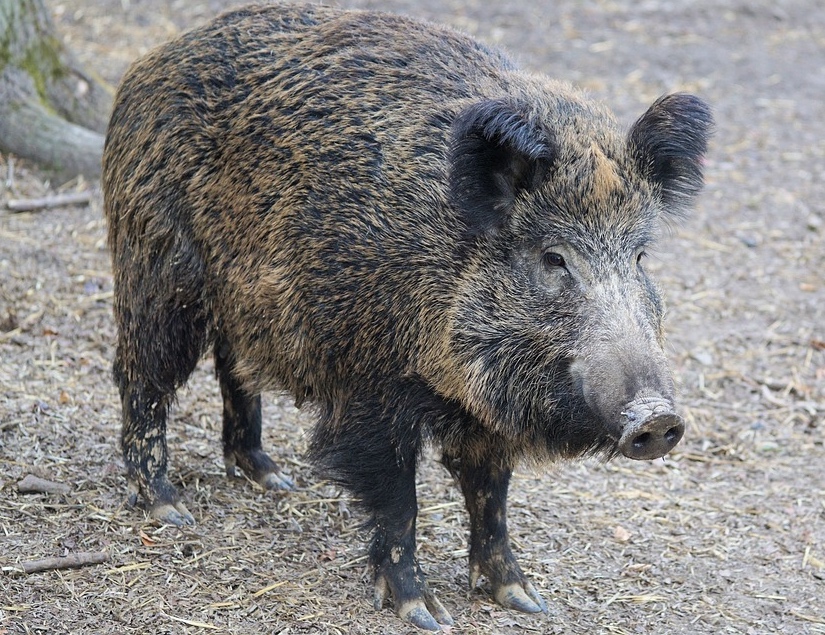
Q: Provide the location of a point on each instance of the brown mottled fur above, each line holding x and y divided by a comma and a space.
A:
387, 219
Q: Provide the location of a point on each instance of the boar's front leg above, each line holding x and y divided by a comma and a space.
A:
484, 485
372, 449
392, 555
242, 427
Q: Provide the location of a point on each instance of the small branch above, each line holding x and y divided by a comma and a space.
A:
10, 173
72, 561
47, 202
32, 484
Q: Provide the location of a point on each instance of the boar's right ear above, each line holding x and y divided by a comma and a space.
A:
496, 153
669, 143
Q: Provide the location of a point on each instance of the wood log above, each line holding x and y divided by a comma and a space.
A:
51, 111
47, 202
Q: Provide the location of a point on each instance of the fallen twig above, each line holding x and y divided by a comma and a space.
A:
34, 204
71, 561
10, 173
32, 484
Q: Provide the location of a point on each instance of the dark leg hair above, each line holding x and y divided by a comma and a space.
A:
147, 380
161, 336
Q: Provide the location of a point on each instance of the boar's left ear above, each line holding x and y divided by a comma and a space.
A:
496, 153
669, 143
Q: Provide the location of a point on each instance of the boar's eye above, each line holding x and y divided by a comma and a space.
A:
640, 256
552, 259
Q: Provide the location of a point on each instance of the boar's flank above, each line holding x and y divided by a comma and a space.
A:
389, 220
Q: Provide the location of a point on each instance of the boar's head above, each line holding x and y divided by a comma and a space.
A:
555, 336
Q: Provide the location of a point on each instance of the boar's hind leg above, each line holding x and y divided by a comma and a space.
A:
242, 427
158, 348
161, 336
484, 486
143, 440
373, 454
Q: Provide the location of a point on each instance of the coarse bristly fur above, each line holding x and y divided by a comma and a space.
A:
389, 220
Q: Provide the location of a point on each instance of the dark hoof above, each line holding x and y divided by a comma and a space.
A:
424, 612
277, 481
173, 514
257, 465
520, 597
166, 507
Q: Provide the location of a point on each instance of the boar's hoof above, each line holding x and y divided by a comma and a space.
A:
651, 429
173, 514
520, 597
164, 505
277, 480
427, 615
257, 465
424, 612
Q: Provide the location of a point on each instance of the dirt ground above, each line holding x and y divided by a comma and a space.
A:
725, 536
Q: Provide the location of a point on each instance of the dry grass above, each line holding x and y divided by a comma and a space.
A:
726, 536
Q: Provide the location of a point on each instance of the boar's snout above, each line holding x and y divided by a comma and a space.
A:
650, 429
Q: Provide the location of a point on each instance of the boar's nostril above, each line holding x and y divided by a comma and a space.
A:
641, 441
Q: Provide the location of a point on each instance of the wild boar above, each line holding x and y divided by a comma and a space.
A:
389, 220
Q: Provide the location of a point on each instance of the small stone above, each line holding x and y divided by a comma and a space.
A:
767, 447
703, 357
621, 534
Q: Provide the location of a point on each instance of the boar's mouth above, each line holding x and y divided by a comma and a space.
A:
650, 428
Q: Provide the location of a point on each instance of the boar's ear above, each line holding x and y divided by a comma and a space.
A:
669, 143
496, 152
